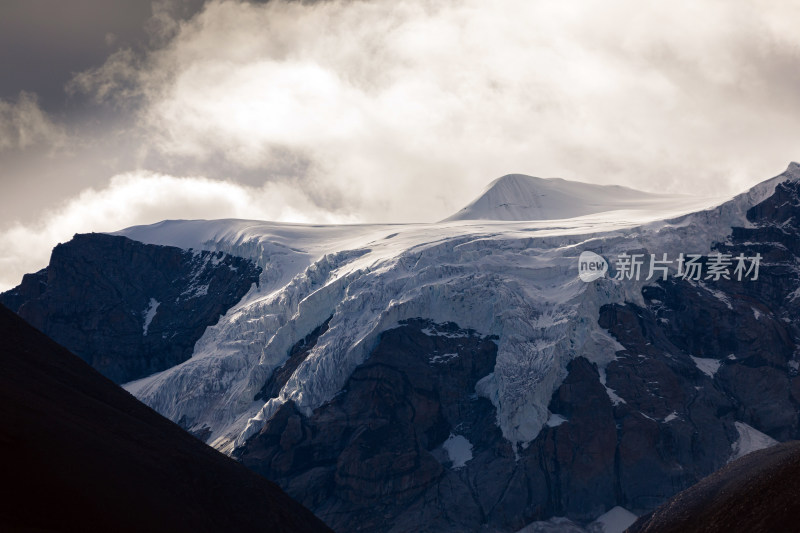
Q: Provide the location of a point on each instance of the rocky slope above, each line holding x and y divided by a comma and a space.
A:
78, 453
757, 494
130, 309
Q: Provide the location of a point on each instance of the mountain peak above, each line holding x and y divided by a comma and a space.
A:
522, 197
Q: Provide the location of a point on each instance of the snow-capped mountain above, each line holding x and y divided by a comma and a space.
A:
456, 375
520, 197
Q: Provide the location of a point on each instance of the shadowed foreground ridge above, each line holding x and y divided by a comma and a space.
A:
78, 453
756, 493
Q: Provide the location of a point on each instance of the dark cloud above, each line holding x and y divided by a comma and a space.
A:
44, 42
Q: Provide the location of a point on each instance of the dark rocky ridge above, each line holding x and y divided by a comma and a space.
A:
94, 296
756, 493
78, 453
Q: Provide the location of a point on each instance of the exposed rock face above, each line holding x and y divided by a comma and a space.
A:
130, 309
373, 456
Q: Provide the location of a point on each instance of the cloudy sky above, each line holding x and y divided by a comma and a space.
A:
115, 113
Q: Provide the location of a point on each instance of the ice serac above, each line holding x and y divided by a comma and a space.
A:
521, 197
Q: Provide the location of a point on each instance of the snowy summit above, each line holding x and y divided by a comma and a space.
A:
521, 197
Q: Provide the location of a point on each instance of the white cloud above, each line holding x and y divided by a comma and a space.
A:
407, 108
24, 124
142, 198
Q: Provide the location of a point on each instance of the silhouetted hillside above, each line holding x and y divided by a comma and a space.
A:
757, 493
78, 453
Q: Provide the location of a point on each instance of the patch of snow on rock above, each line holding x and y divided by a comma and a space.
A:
555, 420
557, 524
707, 366
149, 314
458, 449
750, 440
616, 520
442, 358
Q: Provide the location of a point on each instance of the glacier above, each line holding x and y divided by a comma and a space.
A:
515, 279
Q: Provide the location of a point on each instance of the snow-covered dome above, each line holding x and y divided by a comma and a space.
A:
521, 197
